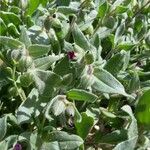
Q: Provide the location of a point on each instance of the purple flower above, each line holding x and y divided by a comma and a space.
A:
71, 55
17, 147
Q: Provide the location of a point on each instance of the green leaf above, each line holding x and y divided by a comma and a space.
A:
119, 32
32, 6
63, 2
79, 38
125, 46
126, 61
128, 144
81, 95
107, 113
46, 62
67, 10
78, 116
94, 112
116, 63
116, 136
15, 9
50, 145
107, 83
103, 32
134, 84
38, 36
3, 127
29, 108
109, 22
102, 10
13, 30
38, 50
143, 109
139, 22
116, 4
32, 139
3, 27
24, 38
8, 142
132, 128
67, 79
132, 131
65, 140
142, 33
45, 81
10, 42
9, 17
63, 67
86, 124
121, 9
43, 2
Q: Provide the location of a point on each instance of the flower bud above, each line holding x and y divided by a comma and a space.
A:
17, 147
24, 4
70, 111
25, 63
13, 91
89, 59
26, 79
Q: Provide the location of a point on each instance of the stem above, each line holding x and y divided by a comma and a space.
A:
43, 122
70, 30
109, 53
140, 10
83, 105
20, 92
97, 27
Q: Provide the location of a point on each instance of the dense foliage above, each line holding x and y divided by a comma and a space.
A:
74, 74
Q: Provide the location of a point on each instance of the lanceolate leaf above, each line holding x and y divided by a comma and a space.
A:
65, 140
32, 6
5, 144
116, 63
119, 32
130, 144
38, 50
30, 108
24, 38
3, 27
3, 127
132, 131
107, 83
79, 38
50, 145
102, 10
86, 123
142, 109
116, 4
81, 95
13, 30
45, 62
115, 136
67, 10
9, 17
45, 81
63, 67
10, 42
